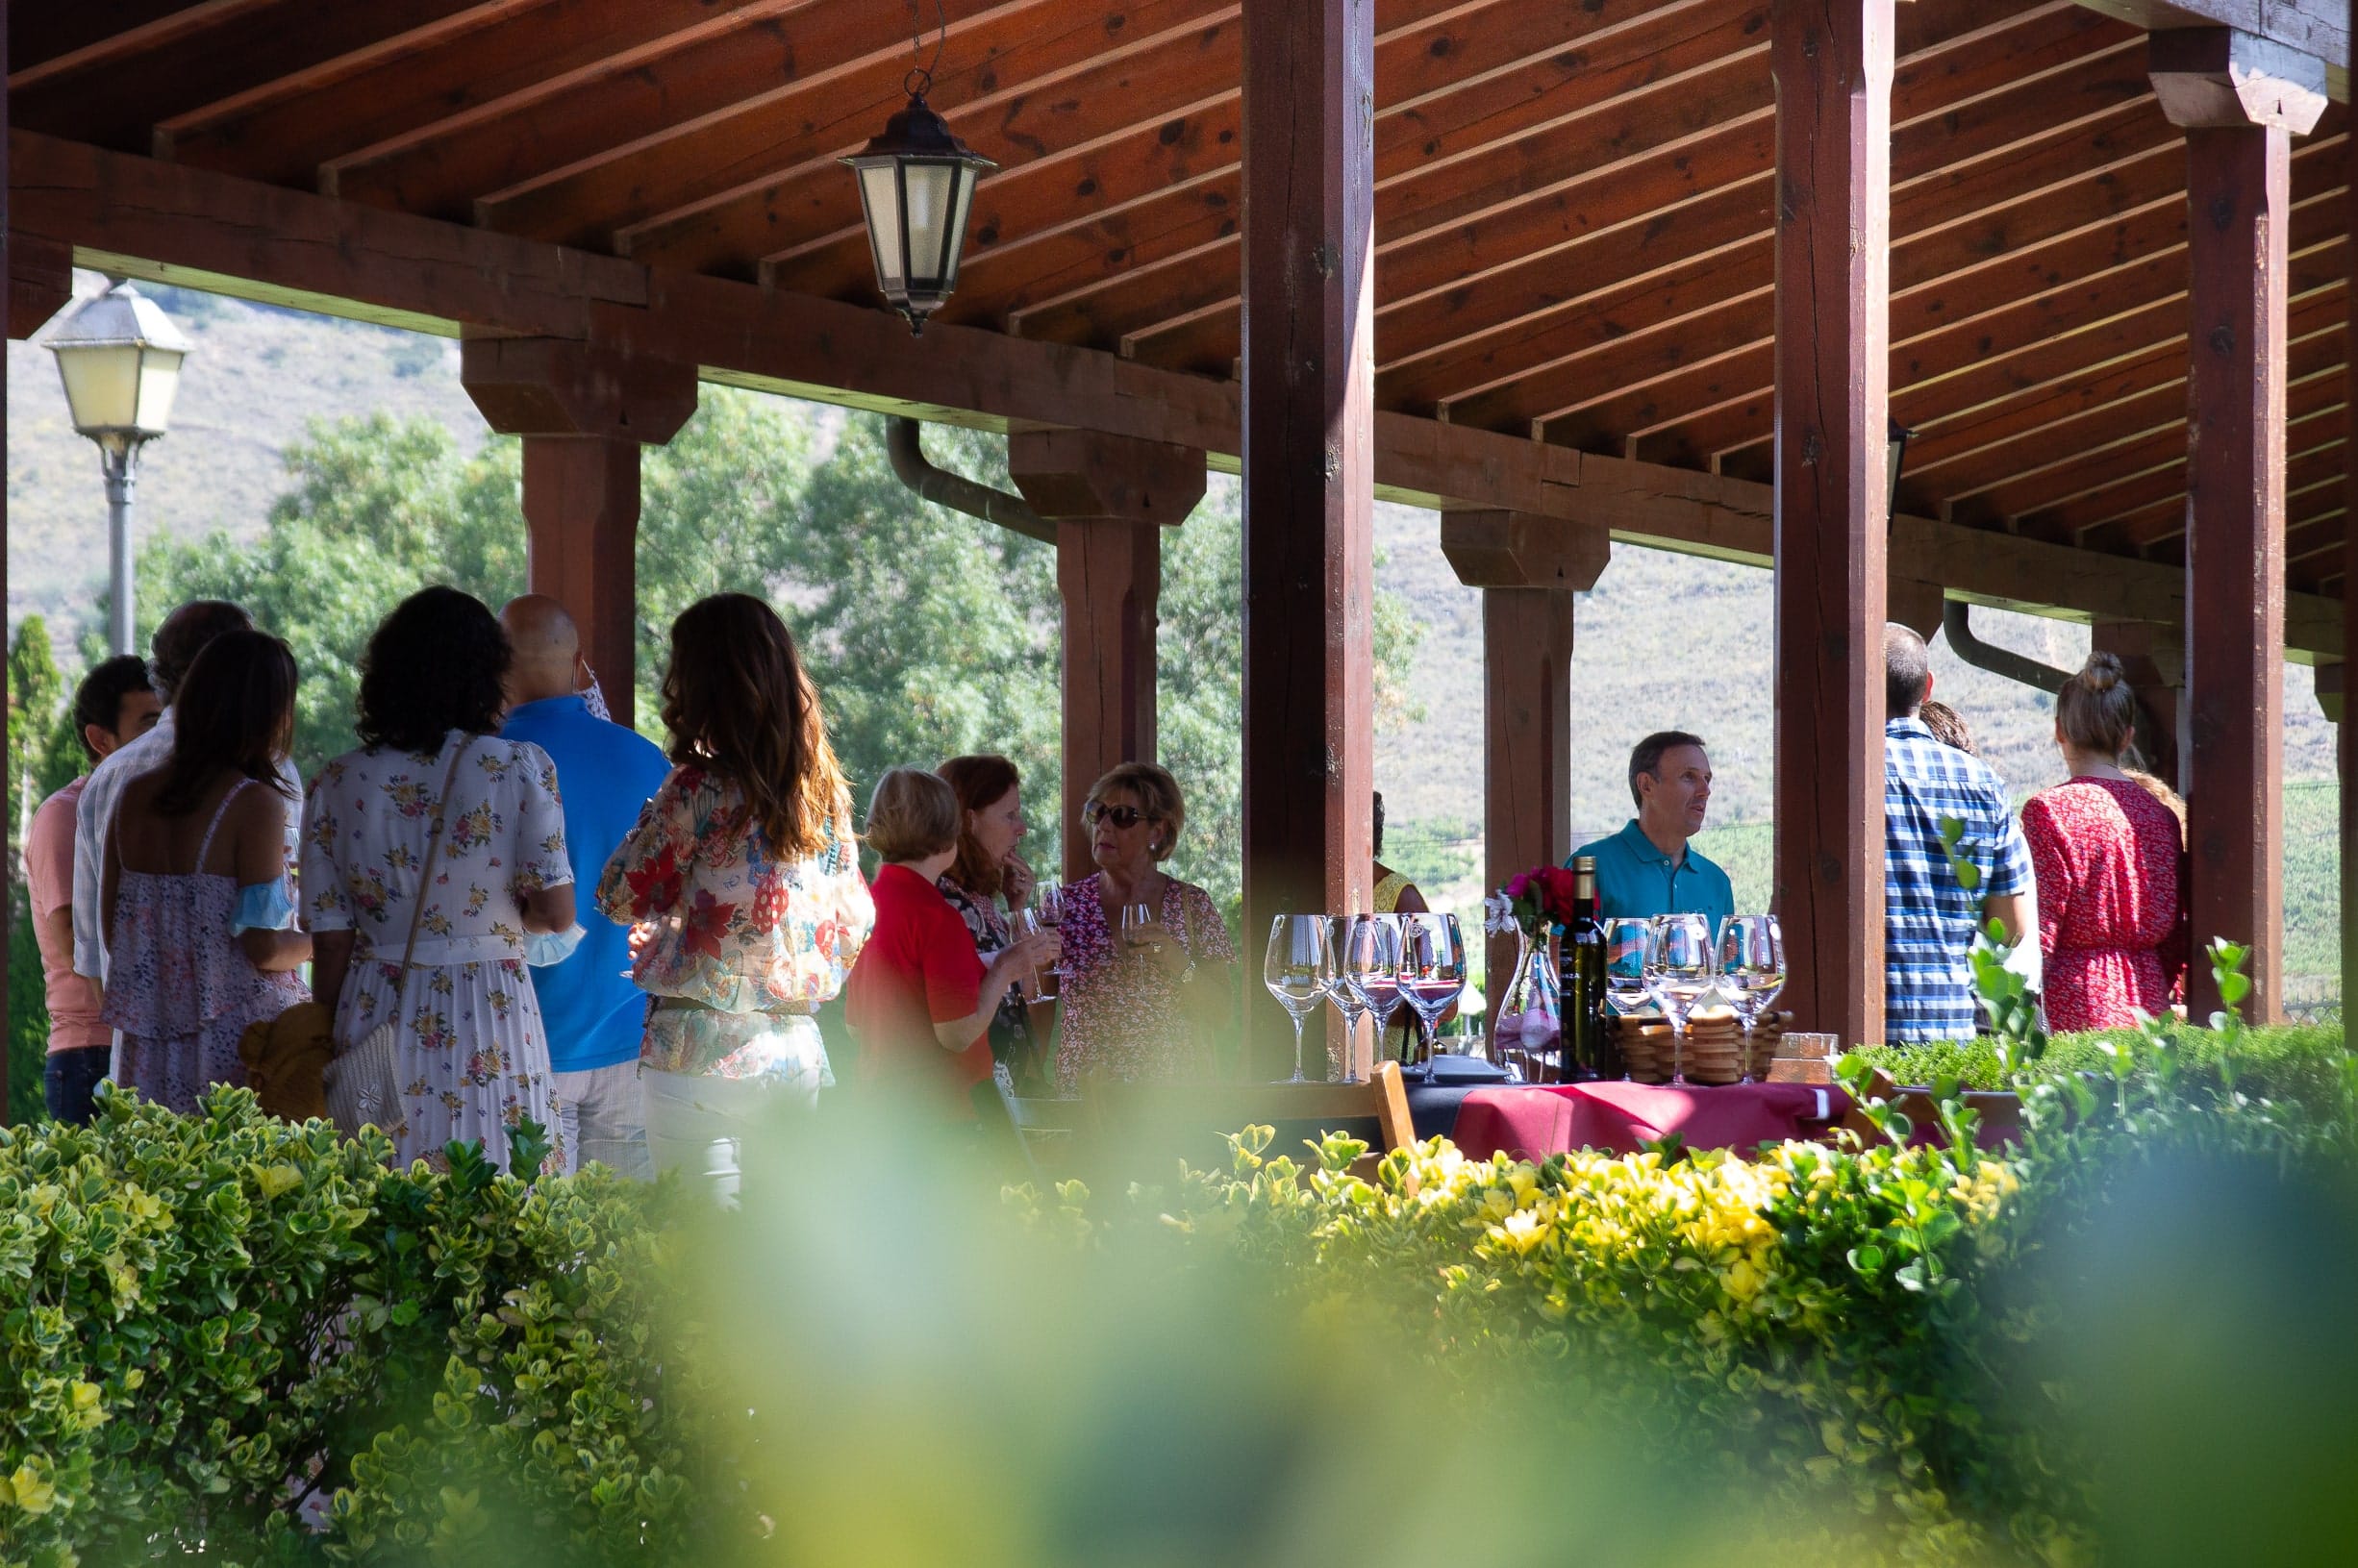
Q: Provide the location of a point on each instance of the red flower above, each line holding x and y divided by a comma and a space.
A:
657, 888
706, 923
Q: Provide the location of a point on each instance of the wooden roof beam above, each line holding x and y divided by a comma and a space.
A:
111, 92
2314, 27
1424, 122
562, 159
284, 129
178, 224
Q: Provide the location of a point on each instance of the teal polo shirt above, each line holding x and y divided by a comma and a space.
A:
1634, 877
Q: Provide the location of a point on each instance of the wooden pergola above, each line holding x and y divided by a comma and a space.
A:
1568, 271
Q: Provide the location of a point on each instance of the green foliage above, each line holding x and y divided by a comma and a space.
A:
42, 758
206, 1320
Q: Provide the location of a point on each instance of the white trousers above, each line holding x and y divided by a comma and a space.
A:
697, 1125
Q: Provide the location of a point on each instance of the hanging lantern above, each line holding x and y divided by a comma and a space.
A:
916, 182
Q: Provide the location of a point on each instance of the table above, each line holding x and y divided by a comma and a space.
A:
1533, 1121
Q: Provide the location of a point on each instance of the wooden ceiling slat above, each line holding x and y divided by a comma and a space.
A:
283, 129
1056, 90
519, 162
2068, 518
42, 36
1053, 193
2313, 510
112, 93
2038, 196
1159, 286
2044, 425
1524, 318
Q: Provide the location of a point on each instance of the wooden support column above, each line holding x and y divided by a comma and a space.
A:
1309, 475
1528, 569
1110, 497
2346, 750
2154, 659
1832, 60
2333, 697
584, 414
2241, 100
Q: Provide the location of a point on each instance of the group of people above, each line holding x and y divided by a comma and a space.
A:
2085, 881
654, 1018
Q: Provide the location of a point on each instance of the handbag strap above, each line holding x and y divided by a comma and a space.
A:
425, 881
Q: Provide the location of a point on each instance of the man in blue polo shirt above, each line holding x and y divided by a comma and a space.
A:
604, 773
1647, 868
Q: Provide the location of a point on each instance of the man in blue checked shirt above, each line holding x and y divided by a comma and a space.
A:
1929, 918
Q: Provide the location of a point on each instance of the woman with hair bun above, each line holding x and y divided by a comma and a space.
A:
2107, 853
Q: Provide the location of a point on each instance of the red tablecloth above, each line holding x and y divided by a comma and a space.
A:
1535, 1121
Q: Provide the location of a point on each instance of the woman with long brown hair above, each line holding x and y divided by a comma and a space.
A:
196, 894
743, 878
986, 867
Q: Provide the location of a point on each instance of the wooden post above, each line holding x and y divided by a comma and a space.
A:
2346, 750
1832, 60
1110, 498
1308, 474
2154, 659
1528, 569
584, 413
2241, 100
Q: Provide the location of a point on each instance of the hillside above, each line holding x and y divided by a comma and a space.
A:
1665, 641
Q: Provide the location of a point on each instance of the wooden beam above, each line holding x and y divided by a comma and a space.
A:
2238, 199
284, 129
1309, 468
2314, 27
111, 92
1833, 61
553, 162
556, 387
2345, 748
1110, 499
581, 517
1060, 86
41, 280
192, 227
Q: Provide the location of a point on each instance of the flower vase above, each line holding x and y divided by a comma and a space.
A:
1531, 1014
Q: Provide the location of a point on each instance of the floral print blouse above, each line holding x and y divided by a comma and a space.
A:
734, 927
1122, 1012
1011, 1027
366, 823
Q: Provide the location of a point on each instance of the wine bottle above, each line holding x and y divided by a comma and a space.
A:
1588, 1048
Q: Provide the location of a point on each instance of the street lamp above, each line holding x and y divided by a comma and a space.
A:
119, 357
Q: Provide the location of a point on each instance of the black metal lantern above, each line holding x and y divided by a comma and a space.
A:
916, 182
1898, 435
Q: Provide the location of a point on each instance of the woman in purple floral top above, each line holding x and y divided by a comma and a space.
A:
743, 878
1151, 1011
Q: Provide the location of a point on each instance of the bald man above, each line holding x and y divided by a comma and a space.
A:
604, 773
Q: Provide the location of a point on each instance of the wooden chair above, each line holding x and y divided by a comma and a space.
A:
1145, 1124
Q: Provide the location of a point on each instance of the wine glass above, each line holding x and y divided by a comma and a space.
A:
1028, 923
1628, 941
1343, 994
1135, 919
1751, 965
1678, 967
1370, 964
1432, 968
1299, 967
1048, 904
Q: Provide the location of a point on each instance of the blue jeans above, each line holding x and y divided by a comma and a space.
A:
69, 1079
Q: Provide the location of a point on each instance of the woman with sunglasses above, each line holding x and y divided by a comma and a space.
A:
1142, 998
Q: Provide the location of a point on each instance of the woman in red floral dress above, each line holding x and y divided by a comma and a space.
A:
2107, 853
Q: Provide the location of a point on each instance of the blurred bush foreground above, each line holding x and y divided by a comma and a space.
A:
2127, 1341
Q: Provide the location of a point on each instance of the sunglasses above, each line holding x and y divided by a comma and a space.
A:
1121, 816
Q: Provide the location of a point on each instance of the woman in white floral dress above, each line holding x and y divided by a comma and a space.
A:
473, 1059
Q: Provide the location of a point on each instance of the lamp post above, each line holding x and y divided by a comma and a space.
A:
119, 356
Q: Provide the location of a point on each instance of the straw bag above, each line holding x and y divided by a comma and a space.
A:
363, 1087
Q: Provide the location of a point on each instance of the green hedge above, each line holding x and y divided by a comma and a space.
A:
2295, 1062
2122, 1339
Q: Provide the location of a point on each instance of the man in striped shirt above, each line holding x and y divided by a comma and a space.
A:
1929, 917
